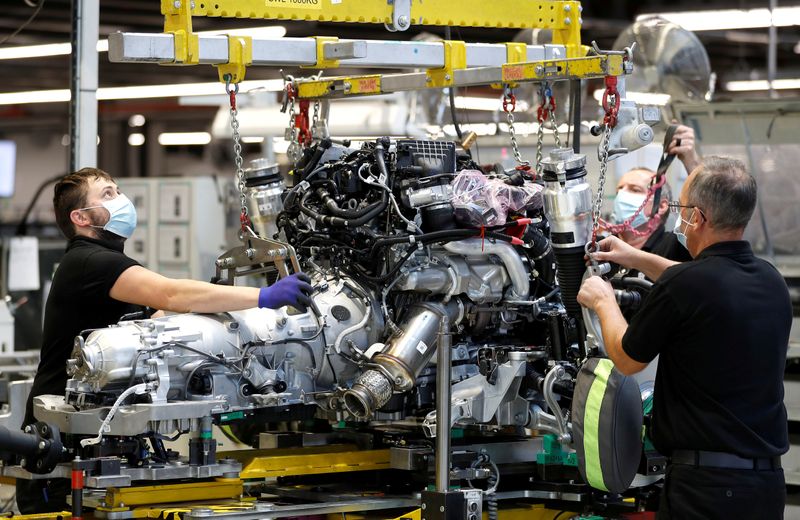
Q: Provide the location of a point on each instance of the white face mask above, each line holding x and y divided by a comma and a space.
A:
677, 230
122, 219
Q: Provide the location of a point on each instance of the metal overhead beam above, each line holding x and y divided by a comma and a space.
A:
298, 52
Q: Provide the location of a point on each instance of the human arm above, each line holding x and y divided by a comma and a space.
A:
686, 151
613, 249
141, 286
596, 294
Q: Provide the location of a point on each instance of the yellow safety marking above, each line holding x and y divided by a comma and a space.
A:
511, 14
348, 86
136, 496
240, 55
455, 57
322, 63
178, 22
308, 461
576, 68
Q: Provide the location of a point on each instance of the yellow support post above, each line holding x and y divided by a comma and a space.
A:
322, 63
178, 22
455, 57
240, 55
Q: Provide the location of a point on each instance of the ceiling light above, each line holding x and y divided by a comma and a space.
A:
62, 49
723, 19
136, 120
762, 84
489, 104
183, 138
640, 98
252, 140
140, 92
136, 139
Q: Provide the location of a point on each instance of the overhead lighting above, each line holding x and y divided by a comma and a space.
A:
136, 139
140, 92
724, 19
62, 49
488, 104
252, 140
183, 138
641, 98
761, 84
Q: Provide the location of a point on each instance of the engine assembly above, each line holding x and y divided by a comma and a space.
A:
399, 237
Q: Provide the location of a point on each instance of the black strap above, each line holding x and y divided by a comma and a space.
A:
715, 459
663, 166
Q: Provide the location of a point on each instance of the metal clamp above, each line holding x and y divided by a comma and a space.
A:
178, 22
322, 61
455, 57
516, 52
240, 55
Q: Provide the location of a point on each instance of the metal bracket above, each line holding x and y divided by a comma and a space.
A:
178, 22
322, 61
258, 256
240, 55
516, 52
401, 15
455, 57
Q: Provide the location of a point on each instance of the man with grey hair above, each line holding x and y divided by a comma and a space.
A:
720, 323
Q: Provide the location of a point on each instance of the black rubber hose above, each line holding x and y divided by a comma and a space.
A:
571, 268
22, 227
18, 442
632, 281
335, 210
312, 162
343, 222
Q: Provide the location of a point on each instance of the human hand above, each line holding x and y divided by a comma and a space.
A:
615, 250
595, 292
294, 290
683, 145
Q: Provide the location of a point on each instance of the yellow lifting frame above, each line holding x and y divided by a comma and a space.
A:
563, 17
322, 63
455, 57
240, 55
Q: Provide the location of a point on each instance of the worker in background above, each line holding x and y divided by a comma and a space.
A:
632, 188
96, 284
720, 323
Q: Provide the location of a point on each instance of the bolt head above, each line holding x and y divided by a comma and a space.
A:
447, 77
428, 79
176, 4
567, 21
538, 70
23, 462
42, 445
567, 7
580, 21
441, 509
402, 22
424, 506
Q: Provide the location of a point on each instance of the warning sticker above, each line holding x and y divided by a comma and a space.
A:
296, 4
422, 347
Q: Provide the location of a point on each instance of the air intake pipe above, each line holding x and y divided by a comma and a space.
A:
400, 362
568, 208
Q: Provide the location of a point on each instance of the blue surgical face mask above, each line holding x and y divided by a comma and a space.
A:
122, 220
626, 204
677, 230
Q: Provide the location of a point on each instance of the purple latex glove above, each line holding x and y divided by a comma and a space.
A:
294, 290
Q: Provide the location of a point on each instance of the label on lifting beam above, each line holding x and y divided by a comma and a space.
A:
315, 5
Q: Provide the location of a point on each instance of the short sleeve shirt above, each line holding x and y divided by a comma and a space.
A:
79, 300
720, 324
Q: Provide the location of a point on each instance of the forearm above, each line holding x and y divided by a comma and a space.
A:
651, 265
203, 297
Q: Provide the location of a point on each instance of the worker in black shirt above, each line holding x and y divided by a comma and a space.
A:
721, 326
644, 232
96, 284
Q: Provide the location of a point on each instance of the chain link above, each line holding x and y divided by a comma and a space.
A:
598, 201
539, 144
315, 117
509, 105
555, 128
237, 147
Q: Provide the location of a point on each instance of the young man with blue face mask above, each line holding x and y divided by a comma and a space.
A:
96, 284
720, 325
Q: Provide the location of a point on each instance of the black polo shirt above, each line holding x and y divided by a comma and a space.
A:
721, 325
79, 300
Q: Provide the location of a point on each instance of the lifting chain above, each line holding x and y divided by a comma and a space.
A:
509, 105
611, 107
232, 89
292, 134
545, 112
652, 223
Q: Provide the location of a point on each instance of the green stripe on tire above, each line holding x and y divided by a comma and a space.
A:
591, 421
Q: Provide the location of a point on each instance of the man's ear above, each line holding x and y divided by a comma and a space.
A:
79, 218
663, 207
